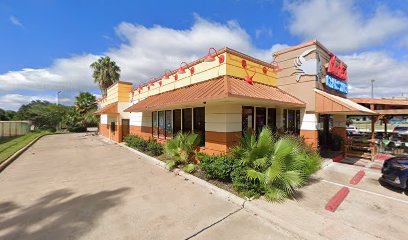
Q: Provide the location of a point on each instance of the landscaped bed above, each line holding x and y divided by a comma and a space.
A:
264, 165
9, 146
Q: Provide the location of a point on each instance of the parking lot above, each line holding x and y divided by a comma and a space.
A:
370, 211
78, 187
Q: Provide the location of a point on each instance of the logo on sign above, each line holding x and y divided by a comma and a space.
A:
336, 84
338, 71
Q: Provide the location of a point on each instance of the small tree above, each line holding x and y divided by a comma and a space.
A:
183, 149
85, 102
106, 72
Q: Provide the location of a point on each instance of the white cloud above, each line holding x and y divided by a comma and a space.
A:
14, 101
65, 74
390, 78
143, 54
263, 32
146, 52
14, 20
341, 26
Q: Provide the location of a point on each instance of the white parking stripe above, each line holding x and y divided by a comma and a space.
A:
365, 191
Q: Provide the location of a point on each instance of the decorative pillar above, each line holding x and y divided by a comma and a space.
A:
308, 129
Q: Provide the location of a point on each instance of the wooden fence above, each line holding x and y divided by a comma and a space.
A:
14, 128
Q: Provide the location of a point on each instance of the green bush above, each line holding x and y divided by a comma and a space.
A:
182, 148
245, 186
190, 168
151, 146
155, 148
217, 167
77, 129
278, 167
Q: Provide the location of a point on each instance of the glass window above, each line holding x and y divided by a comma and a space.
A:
247, 119
199, 123
155, 130
187, 120
291, 121
272, 119
285, 120
162, 125
260, 119
298, 123
169, 124
176, 121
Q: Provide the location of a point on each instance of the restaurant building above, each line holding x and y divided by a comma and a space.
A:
303, 91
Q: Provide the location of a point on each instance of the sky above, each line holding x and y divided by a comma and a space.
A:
47, 46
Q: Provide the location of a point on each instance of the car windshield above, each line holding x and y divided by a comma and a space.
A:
401, 129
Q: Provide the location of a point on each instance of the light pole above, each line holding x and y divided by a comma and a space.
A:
58, 93
372, 88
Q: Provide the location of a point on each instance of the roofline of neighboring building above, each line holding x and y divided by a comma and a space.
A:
380, 101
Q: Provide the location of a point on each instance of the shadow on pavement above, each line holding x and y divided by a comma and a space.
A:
392, 188
57, 215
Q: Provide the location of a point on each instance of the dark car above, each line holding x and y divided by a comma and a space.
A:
395, 171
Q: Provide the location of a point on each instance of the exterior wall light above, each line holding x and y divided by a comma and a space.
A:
249, 79
182, 70
166, 75
211, 58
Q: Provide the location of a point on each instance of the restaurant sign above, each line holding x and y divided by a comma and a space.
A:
336, 84
338, 71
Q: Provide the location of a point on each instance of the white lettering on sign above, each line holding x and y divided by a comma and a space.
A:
336, 84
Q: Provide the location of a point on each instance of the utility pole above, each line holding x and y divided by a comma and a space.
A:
372, 88
58, 93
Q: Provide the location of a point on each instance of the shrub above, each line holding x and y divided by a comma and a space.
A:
136, 142
245, 186
277, 166
182, 148
151, 146
190, 168
155, 148
77, 129
217, 167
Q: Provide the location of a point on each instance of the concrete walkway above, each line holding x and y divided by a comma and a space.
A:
74, 186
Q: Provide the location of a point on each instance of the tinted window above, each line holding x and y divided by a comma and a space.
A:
176, 121
187, 120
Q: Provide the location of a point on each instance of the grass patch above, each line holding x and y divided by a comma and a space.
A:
11, 145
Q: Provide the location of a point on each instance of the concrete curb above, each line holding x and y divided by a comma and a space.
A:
13, 157
213, 189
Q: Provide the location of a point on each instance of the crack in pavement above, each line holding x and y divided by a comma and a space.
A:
215, 223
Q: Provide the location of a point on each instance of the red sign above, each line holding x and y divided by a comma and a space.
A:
338, 71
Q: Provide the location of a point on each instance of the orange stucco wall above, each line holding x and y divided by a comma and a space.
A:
218, 143
340, 131
104, 130
141, 131
311, 137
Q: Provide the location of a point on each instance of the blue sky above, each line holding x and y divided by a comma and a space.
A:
47, 45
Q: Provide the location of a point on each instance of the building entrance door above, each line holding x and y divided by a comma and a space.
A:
125, 128
325, 132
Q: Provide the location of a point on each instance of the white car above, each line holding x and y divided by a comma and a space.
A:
401, 130
351, 130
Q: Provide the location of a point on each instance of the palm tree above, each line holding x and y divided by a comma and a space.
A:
106, 72
280, 166
182, 149
85, 102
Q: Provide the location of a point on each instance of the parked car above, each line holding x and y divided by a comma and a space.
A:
401, 130
352, 130
396, 140
395, 171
